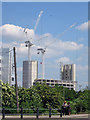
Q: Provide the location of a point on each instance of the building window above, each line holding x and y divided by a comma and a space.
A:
44, 81
0, 68
12, 78
60, 84
48, 84
0, 61
48, 80
52, 80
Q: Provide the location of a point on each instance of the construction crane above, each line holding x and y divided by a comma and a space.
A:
38, 19
43, 50
29, 45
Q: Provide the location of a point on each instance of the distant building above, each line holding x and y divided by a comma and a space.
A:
67, 75
67, 84
6, 66
30, 73
68, 72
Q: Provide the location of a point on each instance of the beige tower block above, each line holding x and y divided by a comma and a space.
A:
73, 72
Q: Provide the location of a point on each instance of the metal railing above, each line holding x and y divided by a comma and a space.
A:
21, 112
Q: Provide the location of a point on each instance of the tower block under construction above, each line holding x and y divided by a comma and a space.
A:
30, 73
68, 72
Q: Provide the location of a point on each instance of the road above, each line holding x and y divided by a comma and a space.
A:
71, 117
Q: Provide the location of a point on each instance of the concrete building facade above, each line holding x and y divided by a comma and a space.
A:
67, 80
30, 73
6, 65
67, 84
68, 73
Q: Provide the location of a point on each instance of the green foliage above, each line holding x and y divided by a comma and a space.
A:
81, 103
70, 94
50, 96
29, 98
8, 96
44, 97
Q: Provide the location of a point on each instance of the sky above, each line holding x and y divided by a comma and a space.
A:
45, 0
62, 30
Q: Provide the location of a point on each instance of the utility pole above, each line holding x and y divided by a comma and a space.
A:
16, 79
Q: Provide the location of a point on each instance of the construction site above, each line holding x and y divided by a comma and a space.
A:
30, 67
43, 61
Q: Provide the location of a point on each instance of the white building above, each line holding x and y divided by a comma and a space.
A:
68, 77
51, 82
30, 73
6, 65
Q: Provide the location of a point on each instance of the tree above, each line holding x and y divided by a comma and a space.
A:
29, 98
44, 96
8, 96
81, 103
49, 95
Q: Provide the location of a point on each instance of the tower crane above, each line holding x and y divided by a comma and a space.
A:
29, 45
38, 19
43, 50
28, 42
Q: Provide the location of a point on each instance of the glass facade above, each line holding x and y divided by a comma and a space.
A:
5, 65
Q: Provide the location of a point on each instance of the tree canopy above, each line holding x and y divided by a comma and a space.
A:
44, 96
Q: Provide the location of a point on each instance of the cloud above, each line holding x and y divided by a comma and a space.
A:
69, 45
15, 33
59, 47
82, 68
14, 36
53, 52
65, 60
83, 26
55, 47
22, 49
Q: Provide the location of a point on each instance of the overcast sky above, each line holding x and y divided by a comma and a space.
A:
63, 28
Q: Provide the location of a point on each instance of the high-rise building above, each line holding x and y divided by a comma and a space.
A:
68, 73
6, 66
67, 78
30, 73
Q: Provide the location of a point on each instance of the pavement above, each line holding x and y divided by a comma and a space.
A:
53, 117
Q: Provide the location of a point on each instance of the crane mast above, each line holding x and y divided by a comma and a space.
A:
43, 50
29, 45
43, 61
